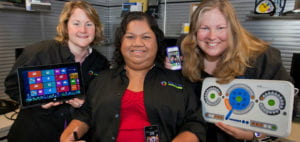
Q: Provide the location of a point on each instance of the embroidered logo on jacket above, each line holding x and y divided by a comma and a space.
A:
92, 73
172, 84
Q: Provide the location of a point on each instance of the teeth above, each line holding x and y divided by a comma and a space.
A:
82, 36
212, 44
137, 51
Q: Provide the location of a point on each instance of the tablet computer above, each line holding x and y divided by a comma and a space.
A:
49, 83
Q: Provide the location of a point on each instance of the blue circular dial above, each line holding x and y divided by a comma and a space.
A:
239, 98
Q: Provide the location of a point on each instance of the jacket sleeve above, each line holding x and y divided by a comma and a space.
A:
84, 113
269, 66
194, 121
11, 81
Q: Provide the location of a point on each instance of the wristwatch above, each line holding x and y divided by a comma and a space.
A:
256, 136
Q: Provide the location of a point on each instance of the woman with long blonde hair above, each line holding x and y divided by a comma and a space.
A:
219, 46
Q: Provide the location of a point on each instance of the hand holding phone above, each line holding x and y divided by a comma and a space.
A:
173, 55
76, 137
152, 133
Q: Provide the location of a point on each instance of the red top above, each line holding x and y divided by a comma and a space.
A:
133, 117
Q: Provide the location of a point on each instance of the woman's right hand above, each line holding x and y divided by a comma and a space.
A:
70, 138
75, 130
168, 64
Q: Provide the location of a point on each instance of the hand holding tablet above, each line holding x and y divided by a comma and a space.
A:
49, 83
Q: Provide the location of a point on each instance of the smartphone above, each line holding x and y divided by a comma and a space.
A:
173, 54
152, 133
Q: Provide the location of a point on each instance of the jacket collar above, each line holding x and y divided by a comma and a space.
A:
66, 52
121, 71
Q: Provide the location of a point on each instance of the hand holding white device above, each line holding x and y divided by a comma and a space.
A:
264, 106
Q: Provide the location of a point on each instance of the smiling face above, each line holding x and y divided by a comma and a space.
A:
212, 35
81, 30
139, 46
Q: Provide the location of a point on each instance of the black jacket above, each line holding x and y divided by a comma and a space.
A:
170, 102
45, 125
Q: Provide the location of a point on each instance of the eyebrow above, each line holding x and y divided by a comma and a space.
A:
134, 33
80, 20
215, 25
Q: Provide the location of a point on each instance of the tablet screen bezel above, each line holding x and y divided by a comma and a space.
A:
24, 87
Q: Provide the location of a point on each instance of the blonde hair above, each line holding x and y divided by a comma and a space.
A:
69, 7
243, 46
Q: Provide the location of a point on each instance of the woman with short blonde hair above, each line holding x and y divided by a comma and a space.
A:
61, 28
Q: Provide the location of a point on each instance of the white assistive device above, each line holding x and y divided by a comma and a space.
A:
264, 106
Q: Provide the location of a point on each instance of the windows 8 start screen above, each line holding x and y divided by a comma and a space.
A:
51, 83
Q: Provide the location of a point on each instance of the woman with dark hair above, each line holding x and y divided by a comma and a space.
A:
78, 30
121, 31
139, 99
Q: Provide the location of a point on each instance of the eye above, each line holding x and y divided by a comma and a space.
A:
76, 23
90, 24
204, 28
129, 36
146, 37
222, 28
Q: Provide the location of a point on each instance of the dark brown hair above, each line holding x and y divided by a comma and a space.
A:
120, 32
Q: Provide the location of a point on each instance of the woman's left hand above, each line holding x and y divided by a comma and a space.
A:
235, 132
75, 102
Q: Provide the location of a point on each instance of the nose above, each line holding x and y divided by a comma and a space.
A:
212, 34
138, 42
82, 29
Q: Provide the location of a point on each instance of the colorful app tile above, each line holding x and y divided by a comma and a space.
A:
33, 93
50, 91
63, 70
65, 83
74, 87
73, 75
61, 77
57, 71
34, 74
63, 89
36, 86
49, 84
48, 72
32, 80
59, 83
73, 81
40, 92
48, 78
38, 80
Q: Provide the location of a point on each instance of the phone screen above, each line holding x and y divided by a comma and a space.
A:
151, 133
173, 54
